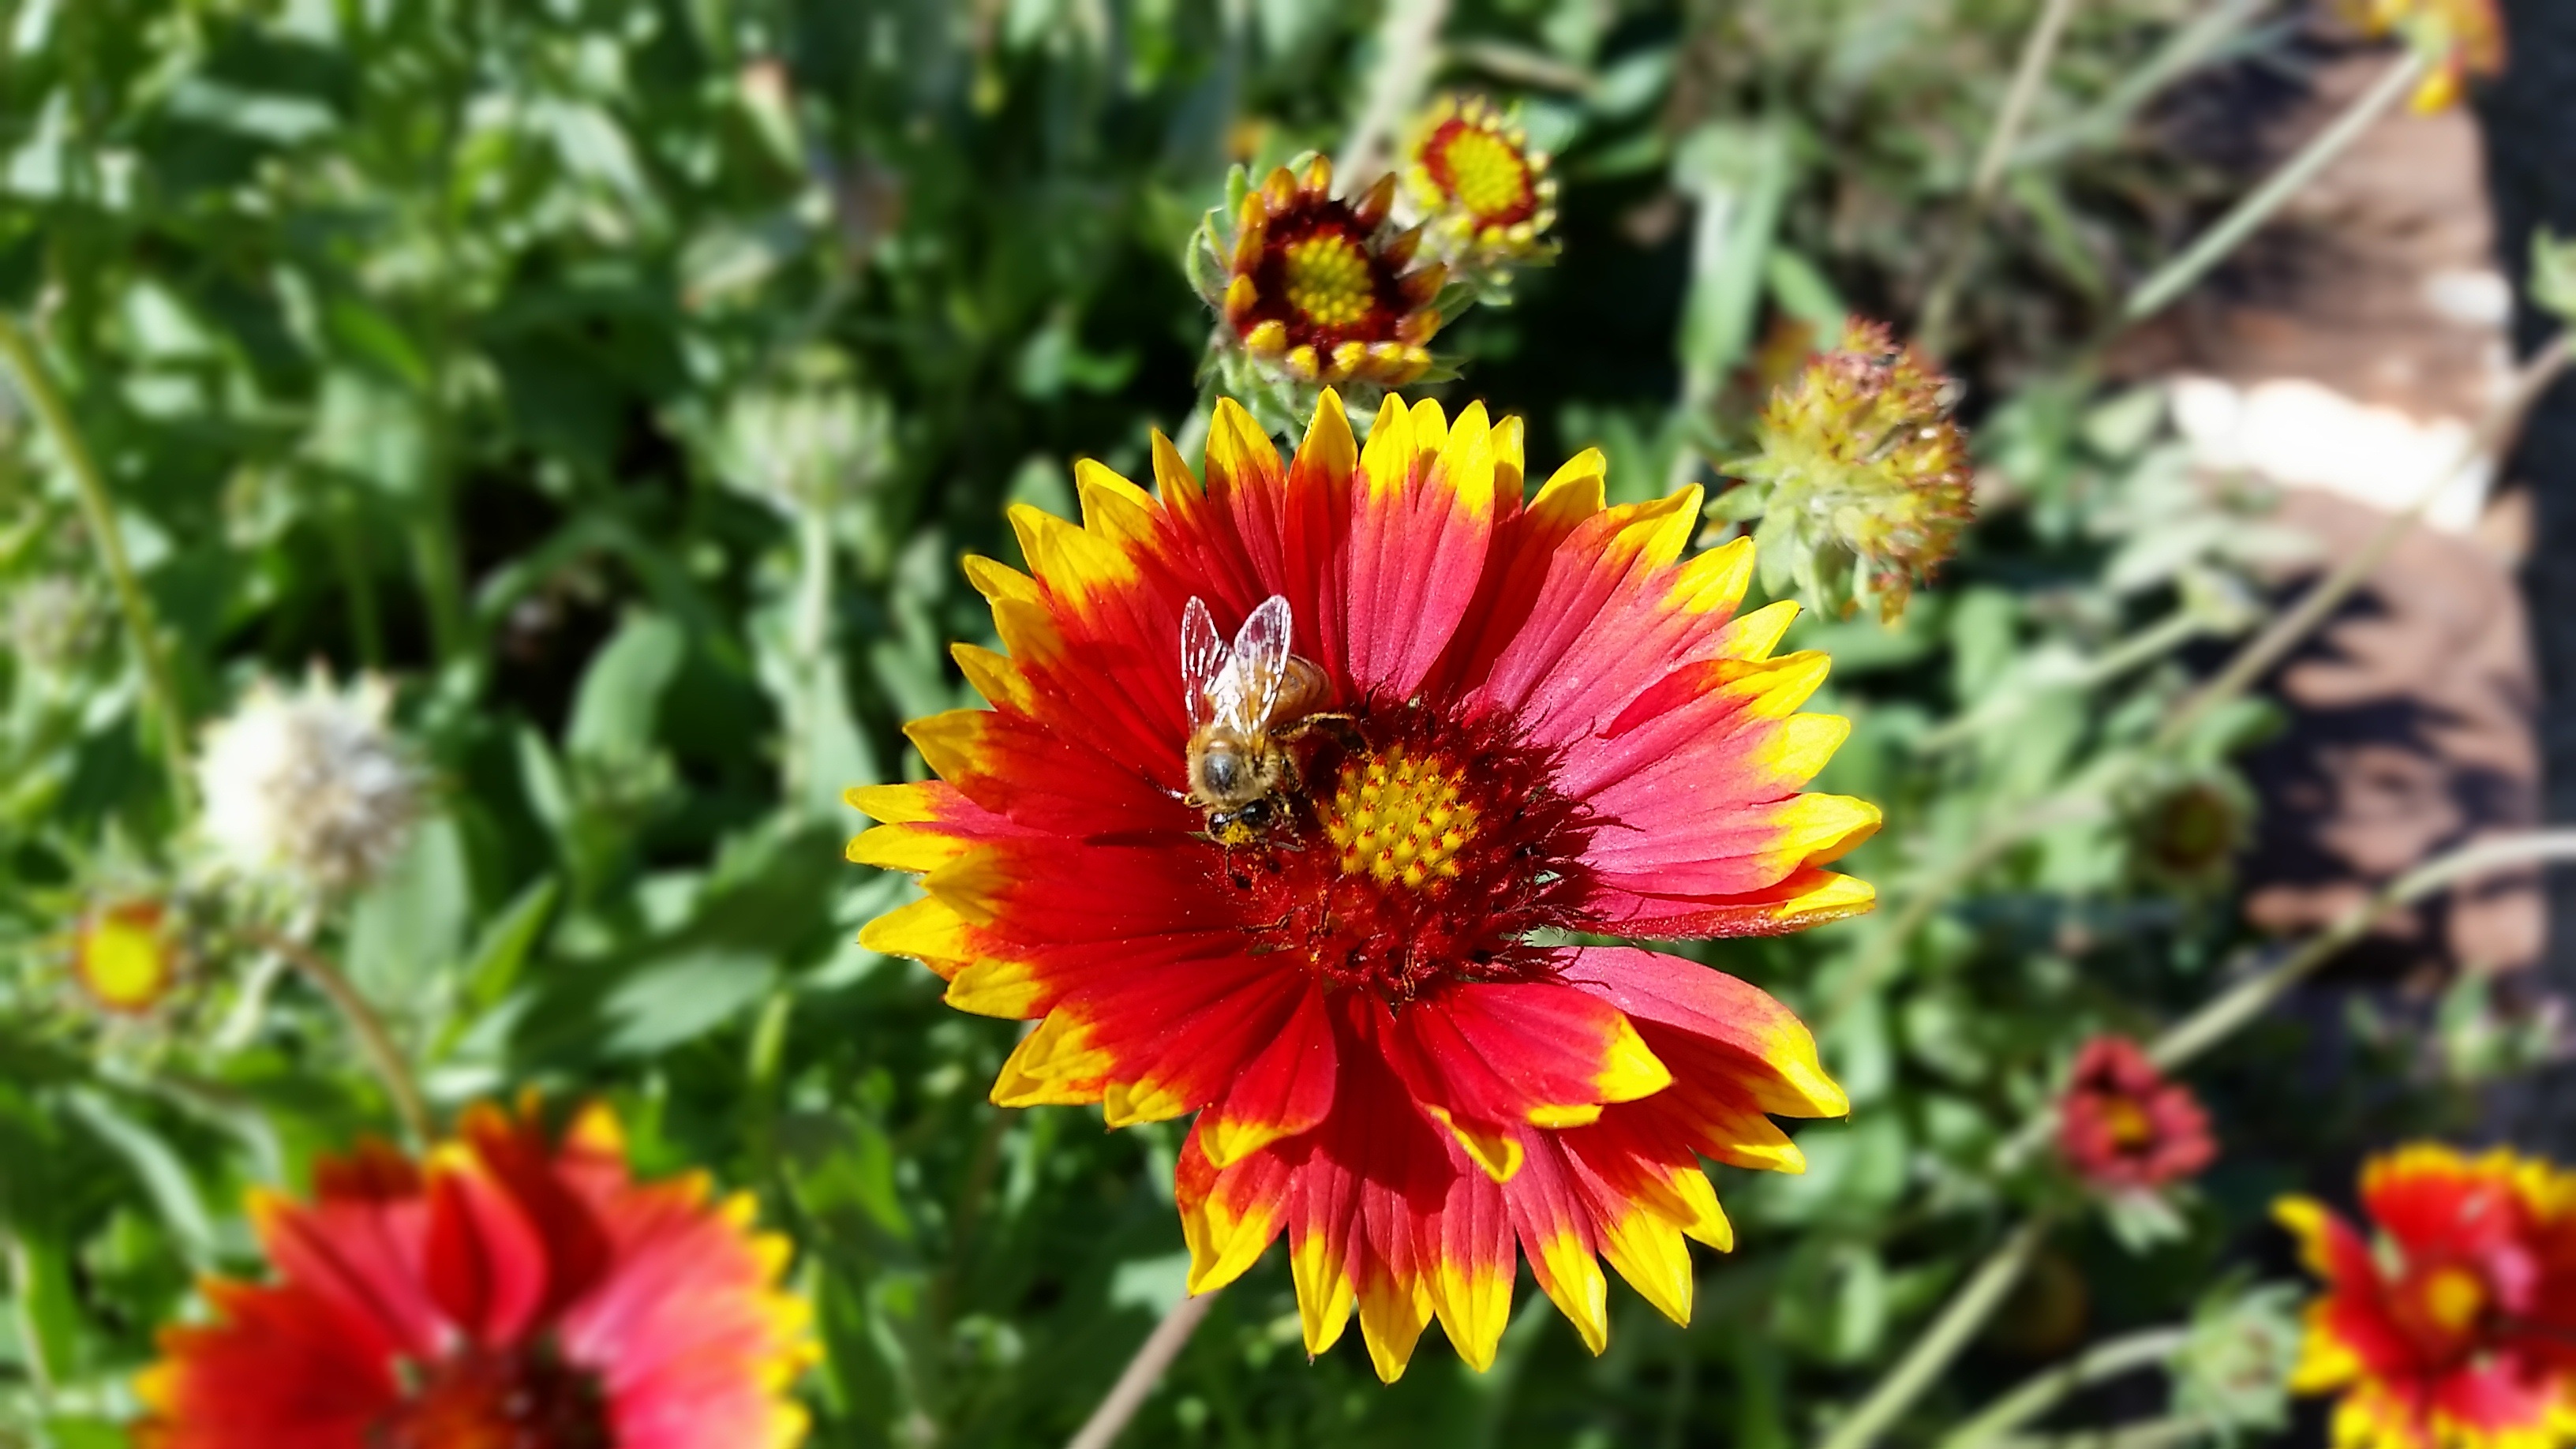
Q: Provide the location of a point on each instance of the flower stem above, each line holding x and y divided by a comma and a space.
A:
2183, 49
1886, 948
373, 1040
2148, 644
1967, 1311
2222, 1015
2179, 275
2165, 1433
2037, 50
1143, 1371
2041, 1392
98, 511
1408, 47
2269, 647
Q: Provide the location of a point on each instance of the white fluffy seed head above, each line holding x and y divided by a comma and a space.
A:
309, 787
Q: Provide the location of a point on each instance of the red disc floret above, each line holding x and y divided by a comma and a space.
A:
1428, 850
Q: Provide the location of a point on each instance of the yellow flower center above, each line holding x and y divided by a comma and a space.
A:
2453, 1299
124, 958
1328, 280
1486, 173
2128, 1123
1398, 817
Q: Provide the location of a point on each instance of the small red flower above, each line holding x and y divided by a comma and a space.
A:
2457, 1328
515, 1291
2123, 1127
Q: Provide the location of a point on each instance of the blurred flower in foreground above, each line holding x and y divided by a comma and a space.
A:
1862, 484
2123, 1127
1484, 195
515, 1291
125, 957
1316, 288
1539, 719
310, 786
2457, 38
2456, 1328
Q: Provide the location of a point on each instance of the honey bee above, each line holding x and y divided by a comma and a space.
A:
1246, 702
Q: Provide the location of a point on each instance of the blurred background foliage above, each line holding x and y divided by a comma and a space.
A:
623, 380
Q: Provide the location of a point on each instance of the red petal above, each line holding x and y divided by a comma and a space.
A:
1422, 516
1284, 1091
486, 1261
1492, 1054
359, 1257
278, 1370
1774, 1053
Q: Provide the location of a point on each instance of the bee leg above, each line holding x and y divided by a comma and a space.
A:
1342, 727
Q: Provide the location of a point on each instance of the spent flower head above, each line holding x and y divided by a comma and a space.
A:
309, 788
2458, 39
1862, 483
1480, 189
1315, 289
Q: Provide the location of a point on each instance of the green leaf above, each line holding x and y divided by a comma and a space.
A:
1804, 291
621, 692
47, 1304
411, 925
683, 998
494, 964
165, 1178
1740, 177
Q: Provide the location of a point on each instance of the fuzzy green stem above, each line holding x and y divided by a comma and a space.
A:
2147, 645
2042, 1391
1967, 1311
374, 1041
2224, 1014
2037, 50
2184, 49
1136, 1382
2221, 1017
98, 511
2166, 1433
2275, 642
31, 1336
1885, 949
1408, 40
2179, 275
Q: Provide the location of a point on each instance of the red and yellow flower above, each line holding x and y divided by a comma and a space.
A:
2457, 38
1327, 289
1549, 721
515, 1291
125, 956
1483, 192
2123, 1127
2456, 1328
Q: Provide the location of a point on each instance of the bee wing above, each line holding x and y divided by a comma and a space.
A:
1203, 657
1247, 692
